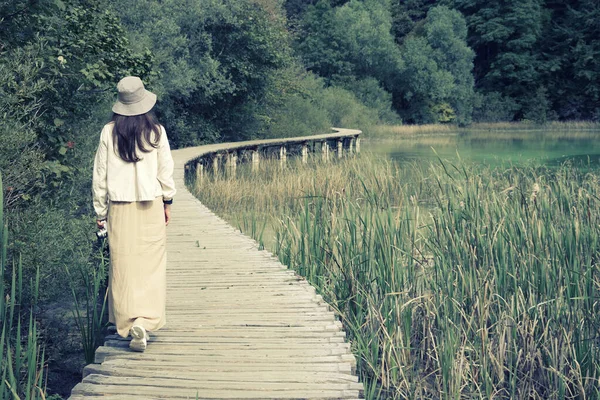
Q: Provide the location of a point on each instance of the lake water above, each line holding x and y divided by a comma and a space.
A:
497, 148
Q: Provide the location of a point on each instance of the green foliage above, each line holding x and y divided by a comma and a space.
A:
21, 358
353, 40
406, 14
537, 111
302, 101
87, 52
437, 70
504, 36
295, 9
215, 60
493, 107
21, 96
345, 110
446, 32
53, 73
370, 93
319, 46
533, 53
571, 66
88, 314
444, 113
294, 102
422, 84
19, 21
352, 48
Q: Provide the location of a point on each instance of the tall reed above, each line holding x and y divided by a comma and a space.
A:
90, 301
21, 357
453, 281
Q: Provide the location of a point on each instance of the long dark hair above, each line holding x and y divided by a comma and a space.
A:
135, 132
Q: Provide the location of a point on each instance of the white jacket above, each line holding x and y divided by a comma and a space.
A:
117, 180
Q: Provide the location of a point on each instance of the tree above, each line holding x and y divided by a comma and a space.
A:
351, 41
436, 83
406, 13
295, 8
321, 46
214, 59
504, 36
446, 32
422, 86
570, 54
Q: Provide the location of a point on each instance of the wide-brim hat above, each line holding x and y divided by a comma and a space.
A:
133, 98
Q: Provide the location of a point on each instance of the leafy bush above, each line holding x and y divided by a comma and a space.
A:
537, 108
305, 106
21, 89
493, 107
300, 116
345, 110
370, 93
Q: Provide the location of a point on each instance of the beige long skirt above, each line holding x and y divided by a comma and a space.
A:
138, 264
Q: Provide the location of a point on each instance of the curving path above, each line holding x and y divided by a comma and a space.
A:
240, 325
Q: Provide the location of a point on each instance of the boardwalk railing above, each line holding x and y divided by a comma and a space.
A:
226, 156
240, 325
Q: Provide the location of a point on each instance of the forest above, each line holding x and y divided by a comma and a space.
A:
228, 70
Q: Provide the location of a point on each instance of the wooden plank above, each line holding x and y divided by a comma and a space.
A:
177, 383
204, 374
161, 392
198, 354
104, 353
217, 366
196, 347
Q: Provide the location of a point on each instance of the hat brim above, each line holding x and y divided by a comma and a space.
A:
137, 108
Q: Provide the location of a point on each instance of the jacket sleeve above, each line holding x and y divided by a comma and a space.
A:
99, 183
165, 167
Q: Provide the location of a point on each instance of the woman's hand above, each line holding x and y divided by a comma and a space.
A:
101, 223
167, 213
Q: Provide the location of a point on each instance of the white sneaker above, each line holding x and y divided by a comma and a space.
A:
139, 340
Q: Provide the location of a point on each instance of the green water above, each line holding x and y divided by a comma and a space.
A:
497, 149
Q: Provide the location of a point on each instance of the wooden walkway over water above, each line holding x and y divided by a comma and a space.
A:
240, 325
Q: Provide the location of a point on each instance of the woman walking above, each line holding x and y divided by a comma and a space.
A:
133, 188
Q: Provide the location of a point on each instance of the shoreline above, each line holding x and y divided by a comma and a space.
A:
499, 130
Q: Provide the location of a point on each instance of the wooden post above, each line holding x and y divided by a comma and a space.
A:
215, 164
325, 151
340, 148
231, 163
304, 153
255, 160
351, 146
199, 172
357, 144
282, 156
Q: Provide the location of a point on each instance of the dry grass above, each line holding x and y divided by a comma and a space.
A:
411, 130
574, 129
567, 125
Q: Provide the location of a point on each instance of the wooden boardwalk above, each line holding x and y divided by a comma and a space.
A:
240, 325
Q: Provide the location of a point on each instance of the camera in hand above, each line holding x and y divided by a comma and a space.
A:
102, 233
